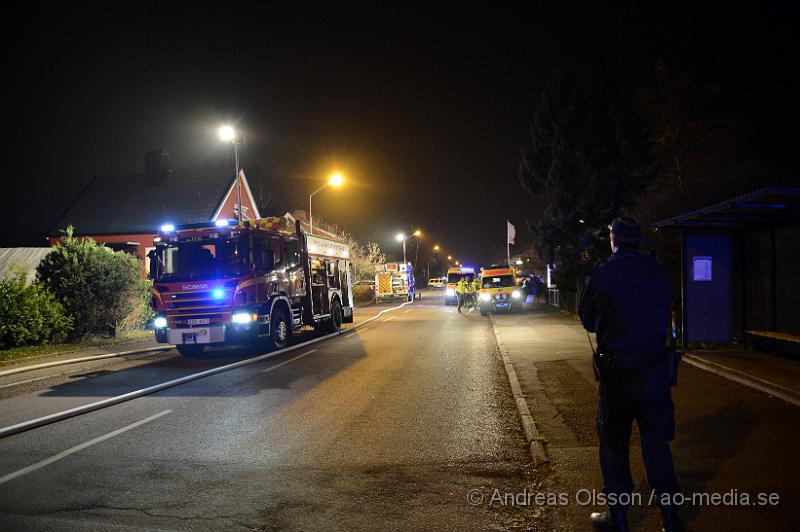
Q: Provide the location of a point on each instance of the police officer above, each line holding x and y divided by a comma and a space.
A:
627, 303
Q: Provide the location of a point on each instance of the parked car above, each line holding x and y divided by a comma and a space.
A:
436, 282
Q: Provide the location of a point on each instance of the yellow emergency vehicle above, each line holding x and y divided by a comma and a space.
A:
454, 275
499, 290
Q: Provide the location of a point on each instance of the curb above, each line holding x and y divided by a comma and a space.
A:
532, 436
23, 360
742, 378
111, 401
69, 361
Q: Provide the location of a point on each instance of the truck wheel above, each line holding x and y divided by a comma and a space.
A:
190, 350
279, 329
335, 321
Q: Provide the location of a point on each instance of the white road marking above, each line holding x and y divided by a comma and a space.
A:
389, 319
276, 366
407, 311
82, 446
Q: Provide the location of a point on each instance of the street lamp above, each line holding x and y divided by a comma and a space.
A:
428, 264
402, 238
334, 180
228, 134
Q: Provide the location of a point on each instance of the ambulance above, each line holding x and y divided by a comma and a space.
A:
499, 290
454, 275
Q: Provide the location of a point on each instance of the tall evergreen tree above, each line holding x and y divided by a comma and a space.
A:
590, 155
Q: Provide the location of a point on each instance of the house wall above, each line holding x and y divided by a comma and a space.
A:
228, 209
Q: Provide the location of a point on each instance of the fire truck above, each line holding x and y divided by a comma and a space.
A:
394, 280
221, 283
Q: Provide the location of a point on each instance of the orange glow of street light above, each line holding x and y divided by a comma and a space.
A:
336, 179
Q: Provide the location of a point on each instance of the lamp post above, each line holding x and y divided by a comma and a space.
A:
402, 238
228, 134
336, 179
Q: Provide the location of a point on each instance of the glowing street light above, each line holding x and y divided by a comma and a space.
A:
227, 133
402, 238
335, 180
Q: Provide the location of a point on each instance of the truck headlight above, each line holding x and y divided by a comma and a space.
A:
160, 322
243, 317
515, 294
451, 292
486, 297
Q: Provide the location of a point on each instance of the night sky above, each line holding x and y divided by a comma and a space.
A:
425, 111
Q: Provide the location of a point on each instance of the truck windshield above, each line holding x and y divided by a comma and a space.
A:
456, 277
202, 259
498, 281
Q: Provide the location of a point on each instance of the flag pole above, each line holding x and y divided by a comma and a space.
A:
508, 244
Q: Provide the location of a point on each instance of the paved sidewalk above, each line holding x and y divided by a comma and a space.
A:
772, 374
729, 436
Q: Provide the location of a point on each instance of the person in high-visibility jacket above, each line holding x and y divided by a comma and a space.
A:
461, 293
476, 290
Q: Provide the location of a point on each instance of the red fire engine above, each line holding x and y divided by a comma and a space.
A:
226, 283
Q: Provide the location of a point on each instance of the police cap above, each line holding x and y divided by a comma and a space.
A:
626, 229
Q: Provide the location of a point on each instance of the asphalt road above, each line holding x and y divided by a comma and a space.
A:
387, 428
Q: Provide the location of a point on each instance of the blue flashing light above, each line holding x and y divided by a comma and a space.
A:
222, 223
167, 228
218, 293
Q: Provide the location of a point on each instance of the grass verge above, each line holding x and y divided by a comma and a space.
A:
19, 353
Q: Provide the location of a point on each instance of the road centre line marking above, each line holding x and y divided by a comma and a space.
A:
276, 366
104, 403
407, 311
389, 319
82, 446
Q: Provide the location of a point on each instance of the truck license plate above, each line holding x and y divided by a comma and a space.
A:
200, 336
198, 321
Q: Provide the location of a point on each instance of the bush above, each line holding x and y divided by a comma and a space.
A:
103, 291
29, 314
363, 294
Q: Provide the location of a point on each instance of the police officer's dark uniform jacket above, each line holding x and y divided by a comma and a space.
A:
627, 303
